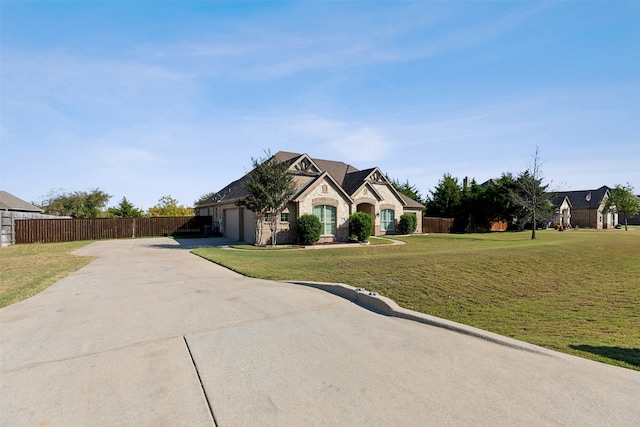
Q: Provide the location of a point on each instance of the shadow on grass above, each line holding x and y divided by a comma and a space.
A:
627, 355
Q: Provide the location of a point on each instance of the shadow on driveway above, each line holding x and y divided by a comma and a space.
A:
190, 243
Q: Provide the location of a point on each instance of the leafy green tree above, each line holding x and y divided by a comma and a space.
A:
125, 209
407, 189
622, 201
446, 198
270, 185
168, 206
76, 204
531, 197
360, 226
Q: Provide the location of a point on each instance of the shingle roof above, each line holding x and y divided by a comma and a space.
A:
9, 202
579, 200
354, 180
347, 176
410, 203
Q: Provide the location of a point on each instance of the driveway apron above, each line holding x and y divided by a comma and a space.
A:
150, 334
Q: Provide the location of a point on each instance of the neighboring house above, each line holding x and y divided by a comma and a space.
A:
562, 204
11, 203
587, 208
11, 208
329, 189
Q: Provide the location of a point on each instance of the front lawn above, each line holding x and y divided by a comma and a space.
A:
575, 291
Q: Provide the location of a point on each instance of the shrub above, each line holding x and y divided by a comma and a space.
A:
309, 229
408, 223
360, 225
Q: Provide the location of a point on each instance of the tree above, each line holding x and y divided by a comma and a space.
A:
407, 189
270, 185
492, 201
168, 206
446, 198
125, 209
76, 204
622, 201
531, 196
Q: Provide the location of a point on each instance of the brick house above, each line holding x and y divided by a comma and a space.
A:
331, 190
587, 208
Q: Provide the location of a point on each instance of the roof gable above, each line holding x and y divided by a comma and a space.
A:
9, 202
310, 186
304, 165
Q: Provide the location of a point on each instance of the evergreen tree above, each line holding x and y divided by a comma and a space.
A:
124, 209
446, 198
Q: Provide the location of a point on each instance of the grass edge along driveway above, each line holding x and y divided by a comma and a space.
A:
575, 291
28, 269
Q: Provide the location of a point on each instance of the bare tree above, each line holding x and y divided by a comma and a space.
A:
531, 196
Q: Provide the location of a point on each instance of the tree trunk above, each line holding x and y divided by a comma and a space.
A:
533, 227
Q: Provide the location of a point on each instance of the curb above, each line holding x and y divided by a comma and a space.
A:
388, 307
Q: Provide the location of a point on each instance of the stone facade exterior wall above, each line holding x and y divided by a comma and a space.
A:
390, 201
325, 193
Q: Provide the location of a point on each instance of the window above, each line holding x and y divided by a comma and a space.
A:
327, 215
267, 217
386, 220
284, 217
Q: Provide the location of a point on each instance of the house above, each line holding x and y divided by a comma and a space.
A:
562, 204
332, 190
587, 208
11, 203
12, 208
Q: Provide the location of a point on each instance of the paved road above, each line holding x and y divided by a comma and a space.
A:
149, 334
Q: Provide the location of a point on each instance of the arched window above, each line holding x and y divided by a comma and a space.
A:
327, 215
386, 220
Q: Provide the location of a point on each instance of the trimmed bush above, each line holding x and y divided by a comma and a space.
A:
309, 229
408, 223
360, 226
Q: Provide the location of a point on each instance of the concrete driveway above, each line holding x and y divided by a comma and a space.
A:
149, 334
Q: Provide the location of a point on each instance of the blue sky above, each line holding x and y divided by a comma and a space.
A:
150, 98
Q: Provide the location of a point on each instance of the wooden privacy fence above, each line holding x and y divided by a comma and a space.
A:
437, 225
68, 230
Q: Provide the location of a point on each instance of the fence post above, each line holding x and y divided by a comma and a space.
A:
12, 229
133, 232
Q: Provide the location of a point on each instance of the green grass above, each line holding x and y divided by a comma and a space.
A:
26, 270
576, 291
